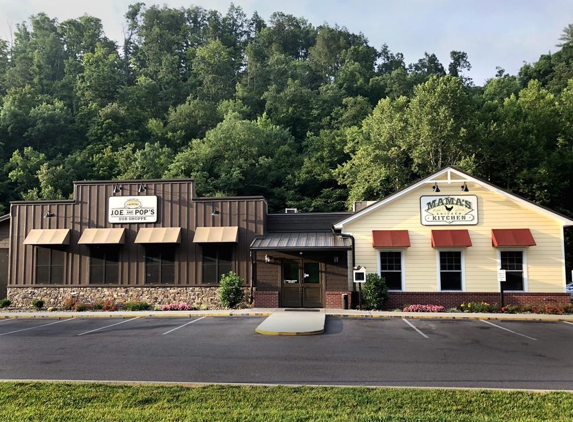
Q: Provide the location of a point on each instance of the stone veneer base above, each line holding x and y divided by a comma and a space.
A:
205, 297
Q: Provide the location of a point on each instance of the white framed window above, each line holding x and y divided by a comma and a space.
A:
451, 271
514, 263
391, 267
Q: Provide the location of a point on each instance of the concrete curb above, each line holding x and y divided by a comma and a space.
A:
267, 312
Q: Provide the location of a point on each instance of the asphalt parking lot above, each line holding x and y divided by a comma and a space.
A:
389, 352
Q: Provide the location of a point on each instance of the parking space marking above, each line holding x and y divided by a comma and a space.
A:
412, 325
566, 322
107, 326
39, 326
5, 319
507, 329
184, 325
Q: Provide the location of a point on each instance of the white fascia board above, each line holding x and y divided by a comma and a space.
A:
463, 177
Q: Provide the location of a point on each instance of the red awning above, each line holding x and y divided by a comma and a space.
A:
451, 238
390, 239
511, 237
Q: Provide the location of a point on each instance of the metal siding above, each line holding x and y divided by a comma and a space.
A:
176, 208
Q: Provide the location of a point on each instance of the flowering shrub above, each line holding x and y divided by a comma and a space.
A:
181, 306
69, 303
81, 307
538, 309
478, 307
424, 308
109, 305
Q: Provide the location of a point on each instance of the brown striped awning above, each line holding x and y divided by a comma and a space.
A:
451, 238
216, 234
512, 237
159, 235
390, 239
286, 241
43, 237
102, 237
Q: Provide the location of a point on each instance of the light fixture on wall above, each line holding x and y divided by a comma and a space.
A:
215, 212
49, 214
436, 188
141, 188
268, 258
116, 189
336, 259
465, 187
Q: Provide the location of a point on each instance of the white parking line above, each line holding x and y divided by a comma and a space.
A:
570, 323
5, 319
32, 328
412, 325
190, 322
107, 326
506, 329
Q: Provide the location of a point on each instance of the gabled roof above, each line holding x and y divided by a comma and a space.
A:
453, 175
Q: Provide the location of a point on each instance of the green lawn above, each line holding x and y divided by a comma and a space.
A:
98, 402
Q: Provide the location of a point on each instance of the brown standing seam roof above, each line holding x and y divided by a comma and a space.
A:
390, 239
48, 237
159, 235
512, 237
216, 234
102, 237
282, 241
451, 238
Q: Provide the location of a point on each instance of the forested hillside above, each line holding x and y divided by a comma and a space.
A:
310, 117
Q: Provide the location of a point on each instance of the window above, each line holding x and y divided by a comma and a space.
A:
159, 264
49, 266
391, 269
104, 265
217, 260
512, 263
450, 270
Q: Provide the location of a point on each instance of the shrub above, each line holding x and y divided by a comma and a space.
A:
98, 305
4, 303
231, 291
109, 305
181, 306
513, 309
80, 307
137, 306
38, 304
374, 292
478, 307
69, 303
424, 308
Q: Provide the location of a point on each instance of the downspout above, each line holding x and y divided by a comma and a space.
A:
253, 275
352, 240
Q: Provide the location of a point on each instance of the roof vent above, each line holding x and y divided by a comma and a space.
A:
360, 205
291, 211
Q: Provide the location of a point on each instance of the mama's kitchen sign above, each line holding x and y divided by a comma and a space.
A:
132, 209
443, 210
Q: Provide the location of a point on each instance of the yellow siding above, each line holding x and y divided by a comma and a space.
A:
544, 262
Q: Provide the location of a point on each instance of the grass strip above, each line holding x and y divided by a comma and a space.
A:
46, 402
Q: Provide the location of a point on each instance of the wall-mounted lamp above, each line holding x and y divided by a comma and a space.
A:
465, 187
116, 189
268, 259
141, 188
436, 187
49, 214
215, 212
336, 259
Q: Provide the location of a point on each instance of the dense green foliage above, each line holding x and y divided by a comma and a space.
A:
47, 402
310, 117
231, 290
375, 292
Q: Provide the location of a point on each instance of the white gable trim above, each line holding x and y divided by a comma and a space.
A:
454, 176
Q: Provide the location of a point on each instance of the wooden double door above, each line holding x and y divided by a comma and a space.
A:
302, 285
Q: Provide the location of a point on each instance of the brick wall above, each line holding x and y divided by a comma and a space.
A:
452, 300
266, 299
334, 300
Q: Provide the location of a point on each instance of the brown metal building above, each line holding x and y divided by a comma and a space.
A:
154, 240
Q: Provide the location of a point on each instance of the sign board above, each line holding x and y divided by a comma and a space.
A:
449, 210
501, 276
360, 276
132, 209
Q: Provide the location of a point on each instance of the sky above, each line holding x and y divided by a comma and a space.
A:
504, 33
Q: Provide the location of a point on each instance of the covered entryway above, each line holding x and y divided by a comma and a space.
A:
302, 285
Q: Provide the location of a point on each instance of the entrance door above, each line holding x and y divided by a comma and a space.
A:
301, 285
